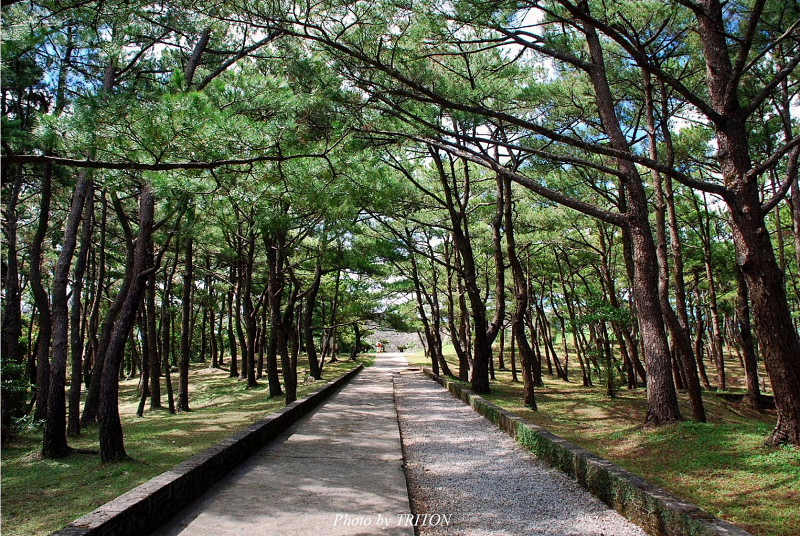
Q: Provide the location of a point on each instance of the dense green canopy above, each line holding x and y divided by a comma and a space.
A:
243, 182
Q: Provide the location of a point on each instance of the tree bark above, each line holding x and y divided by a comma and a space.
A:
234, 367
436, 314
778, 338
212, 340
520, 304
674, 231
220, 333
77, 345
186, 316
455, 335
662, 400
92, 404
250, 313
680, 337
569, 298
112, 446
144, 382
746, 338
482, 341
514, 377
357, 343
245, 364
166, 329
275, 284
499, 265
795, 202
54, 444
308, 320
418, 291
40, 297
288, 363
153, 355
716, 331
99, 263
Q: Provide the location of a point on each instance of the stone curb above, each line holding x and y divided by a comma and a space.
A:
146, 507
656, 511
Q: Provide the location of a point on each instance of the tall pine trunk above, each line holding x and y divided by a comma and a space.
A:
54, 444
777, 335
112, 447
40, 297
186, 332
520, 306
680, 337
662, 400
77, 345
275, 286
153, 355
308, 320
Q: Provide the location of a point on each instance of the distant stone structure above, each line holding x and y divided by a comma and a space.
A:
393, 341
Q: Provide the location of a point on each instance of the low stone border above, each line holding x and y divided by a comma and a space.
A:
652, 508
146, 507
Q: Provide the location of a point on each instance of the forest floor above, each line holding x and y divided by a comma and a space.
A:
41, 496
722, 465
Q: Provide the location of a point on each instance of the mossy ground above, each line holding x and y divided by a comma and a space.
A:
40, 496
721, 466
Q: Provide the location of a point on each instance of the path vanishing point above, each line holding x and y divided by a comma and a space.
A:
341, 471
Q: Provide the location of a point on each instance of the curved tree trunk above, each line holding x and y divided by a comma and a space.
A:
40, 298
482, 338
436, 316
418, 292
92, 404
112, 447
77, 346
662, 400
97, 297
520, 306
455, 336
680, 337
54, 444
777, 335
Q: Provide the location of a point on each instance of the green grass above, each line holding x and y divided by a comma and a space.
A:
40, 496
721, 466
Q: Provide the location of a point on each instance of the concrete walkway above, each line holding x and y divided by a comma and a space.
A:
337, 471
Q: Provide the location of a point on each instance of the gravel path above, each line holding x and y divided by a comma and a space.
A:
460, 464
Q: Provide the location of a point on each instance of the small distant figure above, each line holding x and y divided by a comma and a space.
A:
380, 347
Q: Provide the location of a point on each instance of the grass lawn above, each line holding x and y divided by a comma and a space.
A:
721, 466
41, 496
